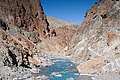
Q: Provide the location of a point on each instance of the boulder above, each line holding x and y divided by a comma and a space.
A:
92, 66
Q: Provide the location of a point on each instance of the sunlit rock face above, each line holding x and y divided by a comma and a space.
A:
99, 34
22, 25
59, 36
25, 31
27, 15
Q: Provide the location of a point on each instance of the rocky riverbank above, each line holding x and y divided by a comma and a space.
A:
25, 73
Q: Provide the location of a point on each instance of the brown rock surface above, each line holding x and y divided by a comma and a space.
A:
25, 32
33, 61
22, 25
28, 16
92, 66
59, 36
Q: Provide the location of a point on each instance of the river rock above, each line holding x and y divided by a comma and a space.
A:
85, 77
70, 79
42, 77
57, 74
92, 66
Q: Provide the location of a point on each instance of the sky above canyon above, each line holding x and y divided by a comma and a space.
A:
68, 10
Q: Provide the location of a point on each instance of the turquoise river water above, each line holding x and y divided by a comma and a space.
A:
61, 70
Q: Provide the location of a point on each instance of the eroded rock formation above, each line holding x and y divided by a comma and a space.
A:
98, 36
22, 25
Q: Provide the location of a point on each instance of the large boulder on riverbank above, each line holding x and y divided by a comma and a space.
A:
92, 66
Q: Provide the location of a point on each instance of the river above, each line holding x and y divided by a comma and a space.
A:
61, 69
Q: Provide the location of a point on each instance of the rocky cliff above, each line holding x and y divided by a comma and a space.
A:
24, 29
60, 35
96, 44
28, 16
23, 24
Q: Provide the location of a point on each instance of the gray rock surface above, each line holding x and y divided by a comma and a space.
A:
98, 37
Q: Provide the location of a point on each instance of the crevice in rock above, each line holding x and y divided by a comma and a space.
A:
4, 36
22, 11
36, 15
13, 57
94, 17
47, 22
6, 62
3, 25
104, 16
53, 33
25, 62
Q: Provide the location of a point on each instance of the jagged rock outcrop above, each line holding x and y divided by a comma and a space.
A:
60, 34
98, 36
28, 16
22, 25
25, 31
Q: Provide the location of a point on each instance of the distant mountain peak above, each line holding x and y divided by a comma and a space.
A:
54, 22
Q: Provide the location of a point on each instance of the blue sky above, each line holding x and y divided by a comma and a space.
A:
69, 10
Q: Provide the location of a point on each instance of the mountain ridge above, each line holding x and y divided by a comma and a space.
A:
55, 22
